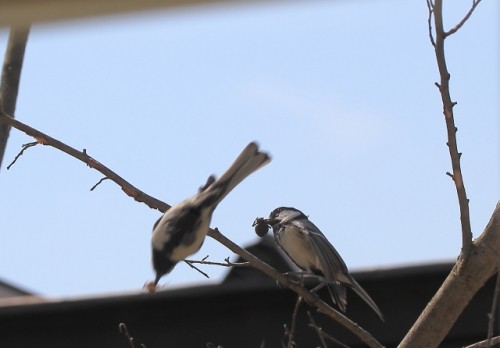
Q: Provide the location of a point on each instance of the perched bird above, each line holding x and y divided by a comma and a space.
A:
180, 232
309, 249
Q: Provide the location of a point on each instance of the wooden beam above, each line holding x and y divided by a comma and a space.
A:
22, 12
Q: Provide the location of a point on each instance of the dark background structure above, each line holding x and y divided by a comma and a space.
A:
246, 310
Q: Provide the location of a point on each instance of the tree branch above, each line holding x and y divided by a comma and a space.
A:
293, 325
11, 75
492, 315
122, 327
154, 203
485, 343
45, 139
466, 278
479, 258
322, 334
430, 7
448, 104
465, 19
308, 296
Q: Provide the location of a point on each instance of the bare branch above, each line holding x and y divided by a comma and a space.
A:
226, 263
25, 147
98, 183
448, 104
45, 139
465, 279
190, 264
154, 203
293, 326
493, 312
430, 7
9, 83
485, 344
122, 327
322, 334
465, 19
308, 296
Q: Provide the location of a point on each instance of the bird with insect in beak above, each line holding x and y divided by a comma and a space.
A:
180, 232
309, 249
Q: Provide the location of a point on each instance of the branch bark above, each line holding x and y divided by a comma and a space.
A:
448, 104
11, 76
45, 139
479, 259
466, 278
308, 296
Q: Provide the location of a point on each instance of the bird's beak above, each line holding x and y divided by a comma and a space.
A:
271, 222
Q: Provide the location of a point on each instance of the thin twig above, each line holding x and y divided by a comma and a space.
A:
318, 330
11, 76
484, 344
293, 326
98, 183
465, 19
45, 139
204, 261
122, 327
190, 264
493, 312
322, 334
25, 147
430, 7
226, 263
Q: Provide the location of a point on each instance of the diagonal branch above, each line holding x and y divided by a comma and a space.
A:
308, 296
466, 278
11, 75
448, 104
45, 139
486, 343
465, 19
154, 203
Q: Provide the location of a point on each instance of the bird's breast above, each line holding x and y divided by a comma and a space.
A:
296, 244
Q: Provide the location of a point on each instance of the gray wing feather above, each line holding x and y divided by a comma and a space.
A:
331, 264
334, 269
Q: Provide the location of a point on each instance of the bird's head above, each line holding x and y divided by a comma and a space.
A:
283, 215
278, 216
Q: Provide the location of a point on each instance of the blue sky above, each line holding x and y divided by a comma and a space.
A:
341, 94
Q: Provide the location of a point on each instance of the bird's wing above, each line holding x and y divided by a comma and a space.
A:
334, 269
176, 228
332, 266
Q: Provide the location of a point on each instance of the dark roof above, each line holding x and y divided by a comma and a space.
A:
9, 290
243, 311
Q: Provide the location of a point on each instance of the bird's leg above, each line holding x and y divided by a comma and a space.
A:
319, 286
298, 277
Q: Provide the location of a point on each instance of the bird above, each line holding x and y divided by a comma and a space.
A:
181, 230
311, 251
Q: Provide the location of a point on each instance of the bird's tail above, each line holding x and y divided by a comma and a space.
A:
249, 160
338, 295
362, 293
